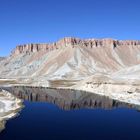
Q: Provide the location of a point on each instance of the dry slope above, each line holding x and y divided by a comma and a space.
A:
71, 59
103, 66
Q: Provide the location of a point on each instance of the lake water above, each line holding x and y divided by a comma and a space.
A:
51, 114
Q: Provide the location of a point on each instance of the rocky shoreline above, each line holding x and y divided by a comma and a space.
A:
9, 107
122, 92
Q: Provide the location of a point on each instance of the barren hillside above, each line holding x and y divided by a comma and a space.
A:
103, 66
71, 59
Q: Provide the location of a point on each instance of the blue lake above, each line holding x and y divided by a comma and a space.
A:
71, 116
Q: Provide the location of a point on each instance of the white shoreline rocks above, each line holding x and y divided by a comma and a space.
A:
107, 90
121, 90
9, 107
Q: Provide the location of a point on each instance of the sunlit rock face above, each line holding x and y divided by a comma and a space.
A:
71, 59
9, 107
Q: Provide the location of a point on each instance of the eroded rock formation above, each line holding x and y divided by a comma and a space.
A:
74, 42
71, 59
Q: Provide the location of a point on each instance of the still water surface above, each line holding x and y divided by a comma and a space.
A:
71, 115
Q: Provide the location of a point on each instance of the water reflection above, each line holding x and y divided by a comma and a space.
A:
2, 125
66, 99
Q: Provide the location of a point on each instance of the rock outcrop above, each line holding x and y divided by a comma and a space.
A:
75, 57
71, 58
9, 107
74, 42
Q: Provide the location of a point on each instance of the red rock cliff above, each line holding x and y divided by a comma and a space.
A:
73, 42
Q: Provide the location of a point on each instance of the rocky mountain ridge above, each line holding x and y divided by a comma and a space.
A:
73, 42
70, 59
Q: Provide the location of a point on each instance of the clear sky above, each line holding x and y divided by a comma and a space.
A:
38, 21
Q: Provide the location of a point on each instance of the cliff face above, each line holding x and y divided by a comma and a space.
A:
72, 59
29, 48
74, 42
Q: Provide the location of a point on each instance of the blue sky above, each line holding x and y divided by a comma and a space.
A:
37, 21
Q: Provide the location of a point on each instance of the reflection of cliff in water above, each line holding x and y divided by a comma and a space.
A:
65, 99
2, 125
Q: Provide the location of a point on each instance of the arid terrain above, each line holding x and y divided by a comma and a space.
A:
102, 66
